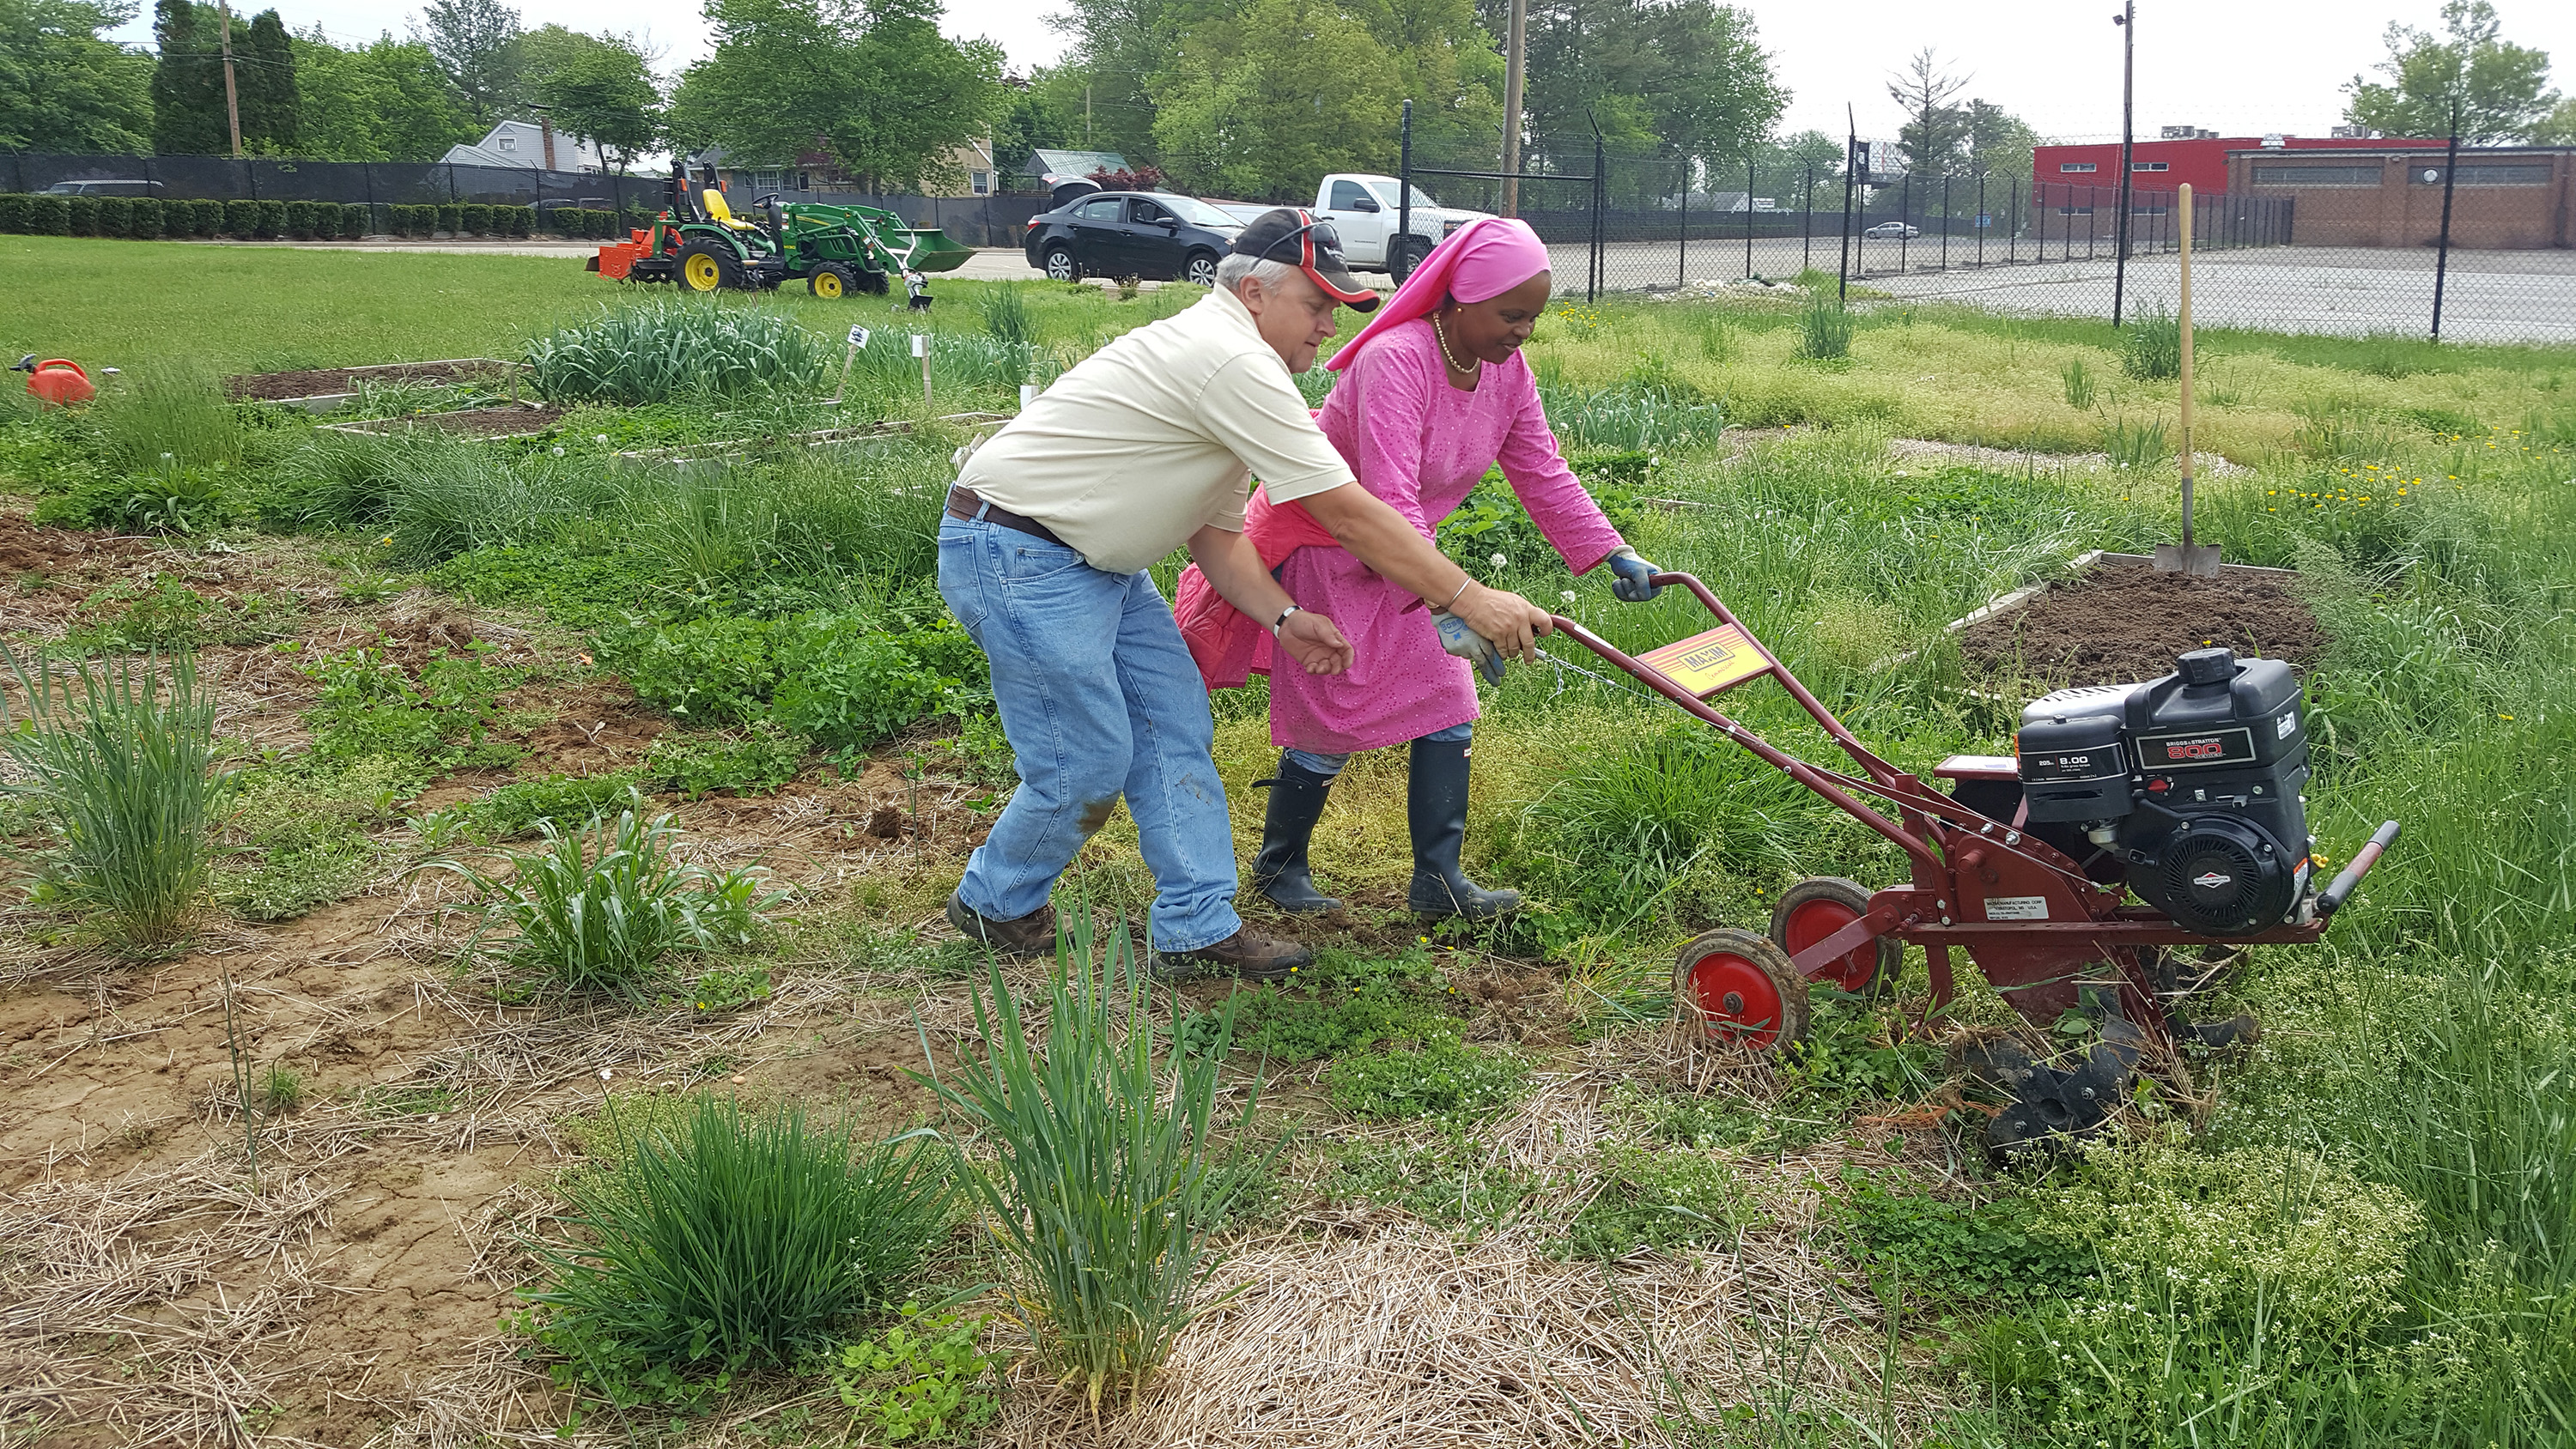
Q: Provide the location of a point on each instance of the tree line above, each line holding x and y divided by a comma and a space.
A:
868, 85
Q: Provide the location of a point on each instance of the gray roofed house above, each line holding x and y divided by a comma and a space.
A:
523, 144
1044, 162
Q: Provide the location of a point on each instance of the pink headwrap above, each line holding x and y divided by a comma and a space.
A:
1477, 263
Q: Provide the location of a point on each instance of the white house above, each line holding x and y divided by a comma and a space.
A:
530, 145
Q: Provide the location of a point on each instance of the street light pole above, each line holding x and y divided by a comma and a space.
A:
2127, 20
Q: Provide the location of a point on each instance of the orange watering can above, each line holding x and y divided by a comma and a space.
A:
58, 381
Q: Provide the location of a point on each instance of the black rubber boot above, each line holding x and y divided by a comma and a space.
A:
1279, 872
1436, 807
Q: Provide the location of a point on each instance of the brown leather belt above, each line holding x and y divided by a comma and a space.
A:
964, 501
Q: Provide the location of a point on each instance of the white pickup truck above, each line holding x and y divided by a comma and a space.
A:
1363, 209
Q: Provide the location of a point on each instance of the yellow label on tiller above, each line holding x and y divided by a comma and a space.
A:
1707, 663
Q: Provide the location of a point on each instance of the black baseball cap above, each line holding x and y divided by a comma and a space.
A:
1313, 247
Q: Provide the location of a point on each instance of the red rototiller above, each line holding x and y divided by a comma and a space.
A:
2182, 793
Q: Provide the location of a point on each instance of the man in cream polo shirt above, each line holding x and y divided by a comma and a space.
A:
1149, 445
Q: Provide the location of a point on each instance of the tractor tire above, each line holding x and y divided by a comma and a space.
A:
874, 282
1199, 270
1059, 265
1817, 907
1740, 989
706, 267
830, 282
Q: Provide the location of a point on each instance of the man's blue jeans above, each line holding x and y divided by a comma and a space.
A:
1098, 698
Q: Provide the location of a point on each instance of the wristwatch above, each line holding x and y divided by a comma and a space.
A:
1282, 621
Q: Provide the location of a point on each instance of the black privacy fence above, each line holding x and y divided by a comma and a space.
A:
405, 198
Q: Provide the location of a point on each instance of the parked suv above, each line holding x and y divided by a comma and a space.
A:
1151, 234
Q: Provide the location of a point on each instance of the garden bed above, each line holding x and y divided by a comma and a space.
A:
320, 389
2119, 619
518, 420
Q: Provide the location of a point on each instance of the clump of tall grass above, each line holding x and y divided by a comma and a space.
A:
601, 906
171, 418
2079, 383
1633, 417
123, 769
2151, 346
676, 350
1006, 315
1103, 1187
1824, 330
722, 1240
2136, 444
984, 360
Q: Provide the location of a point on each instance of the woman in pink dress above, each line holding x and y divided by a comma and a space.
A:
1433, 392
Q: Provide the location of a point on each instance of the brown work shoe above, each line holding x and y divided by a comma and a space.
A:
1243, 955
1030, 938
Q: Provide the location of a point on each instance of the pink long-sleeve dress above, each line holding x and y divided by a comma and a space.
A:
1420, 445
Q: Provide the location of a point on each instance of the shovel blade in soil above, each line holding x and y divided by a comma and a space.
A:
2199, 560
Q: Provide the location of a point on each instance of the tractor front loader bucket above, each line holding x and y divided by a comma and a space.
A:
932, 250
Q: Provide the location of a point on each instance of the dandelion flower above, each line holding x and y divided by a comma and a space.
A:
1566, 594
1501, 562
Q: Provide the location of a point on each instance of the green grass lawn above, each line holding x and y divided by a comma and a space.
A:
270, 309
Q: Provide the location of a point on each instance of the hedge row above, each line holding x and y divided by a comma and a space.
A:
147, 218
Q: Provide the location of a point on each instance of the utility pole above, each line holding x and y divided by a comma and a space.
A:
1086, 116
232, 97
2127, 20
1515, 46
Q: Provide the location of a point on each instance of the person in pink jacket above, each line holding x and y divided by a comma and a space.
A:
1433, 392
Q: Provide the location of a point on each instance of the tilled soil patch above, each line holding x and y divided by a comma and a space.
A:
325, 381
2117, 624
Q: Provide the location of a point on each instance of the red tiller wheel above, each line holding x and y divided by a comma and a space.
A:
1741, 988
1820, 905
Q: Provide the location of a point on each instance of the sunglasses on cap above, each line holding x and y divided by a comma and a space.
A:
1313, 247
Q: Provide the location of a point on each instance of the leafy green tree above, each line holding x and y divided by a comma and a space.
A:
599, 87
1262, 104
1043, 113
1934, 138
1786, 164
1119, 50
2502, 88
1686, 76
62, 88
1999, 143
385, 101
1446, 65
477, 46
187, 89
871, 83
264, 77
2558, 128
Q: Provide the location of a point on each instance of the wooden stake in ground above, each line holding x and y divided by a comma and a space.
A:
2199, 560
921, 349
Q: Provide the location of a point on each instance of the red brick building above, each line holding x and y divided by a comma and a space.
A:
2389, 194
2161, 165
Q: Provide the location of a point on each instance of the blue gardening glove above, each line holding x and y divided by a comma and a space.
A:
1631, 587
1469, 645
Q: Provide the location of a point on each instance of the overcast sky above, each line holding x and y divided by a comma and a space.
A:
2239, 68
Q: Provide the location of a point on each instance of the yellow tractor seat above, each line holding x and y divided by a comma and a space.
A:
719, 213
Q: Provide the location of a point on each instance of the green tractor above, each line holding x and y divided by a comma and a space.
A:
698, 243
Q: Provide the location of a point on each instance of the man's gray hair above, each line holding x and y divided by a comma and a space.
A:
1236, 266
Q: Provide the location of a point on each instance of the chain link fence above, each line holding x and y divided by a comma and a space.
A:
1647, 224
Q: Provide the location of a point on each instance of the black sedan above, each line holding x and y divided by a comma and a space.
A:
1149, 234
